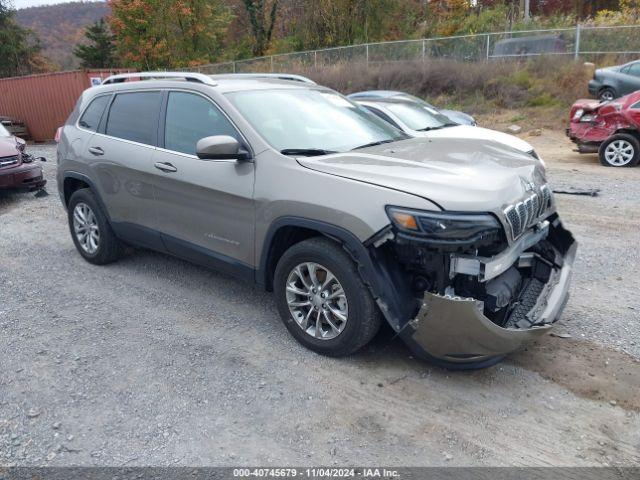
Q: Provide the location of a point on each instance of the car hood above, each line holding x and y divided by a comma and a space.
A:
8, 146
479, 133
458, 174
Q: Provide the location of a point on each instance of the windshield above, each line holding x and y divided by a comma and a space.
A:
4, 132
418, 117
316, 121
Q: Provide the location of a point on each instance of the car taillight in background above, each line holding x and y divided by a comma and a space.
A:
58, 134
588, 118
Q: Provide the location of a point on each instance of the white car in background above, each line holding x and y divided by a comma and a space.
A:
418, 120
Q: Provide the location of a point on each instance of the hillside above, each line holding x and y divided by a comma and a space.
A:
61, 27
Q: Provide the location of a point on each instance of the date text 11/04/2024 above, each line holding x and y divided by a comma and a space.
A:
316, 472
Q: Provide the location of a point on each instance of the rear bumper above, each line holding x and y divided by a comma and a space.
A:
454, 330
24, 177
594, 88
587, 137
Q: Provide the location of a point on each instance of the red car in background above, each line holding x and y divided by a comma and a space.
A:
17, 168
610, 128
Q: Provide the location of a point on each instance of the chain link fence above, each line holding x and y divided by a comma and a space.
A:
583, 43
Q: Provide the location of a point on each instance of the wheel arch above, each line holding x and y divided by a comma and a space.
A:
381, 275
628, 130
73, 181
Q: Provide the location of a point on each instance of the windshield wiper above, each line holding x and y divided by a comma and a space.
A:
428, 129
306, 152
373, 144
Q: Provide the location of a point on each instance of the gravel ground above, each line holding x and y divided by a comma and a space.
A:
153, 361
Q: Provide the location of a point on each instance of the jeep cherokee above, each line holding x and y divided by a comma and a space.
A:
455, 242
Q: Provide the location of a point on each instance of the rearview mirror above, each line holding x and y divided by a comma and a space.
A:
221, 147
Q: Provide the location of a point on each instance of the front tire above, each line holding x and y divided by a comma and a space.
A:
90, 229
322, 300
621, 150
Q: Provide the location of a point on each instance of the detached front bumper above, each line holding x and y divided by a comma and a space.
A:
27, 176
454, 330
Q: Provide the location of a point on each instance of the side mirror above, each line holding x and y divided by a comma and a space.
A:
221, 147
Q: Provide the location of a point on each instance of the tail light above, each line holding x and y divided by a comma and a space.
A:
58, 135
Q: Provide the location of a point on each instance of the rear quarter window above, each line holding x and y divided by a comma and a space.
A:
134, 116
634, 69
93, 113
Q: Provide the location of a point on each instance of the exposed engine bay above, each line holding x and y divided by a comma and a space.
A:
460, 288
508, 285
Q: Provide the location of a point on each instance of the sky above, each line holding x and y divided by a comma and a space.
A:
34, 3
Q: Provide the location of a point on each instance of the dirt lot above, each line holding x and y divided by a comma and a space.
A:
153, 361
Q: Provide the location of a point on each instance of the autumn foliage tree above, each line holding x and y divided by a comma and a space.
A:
160, 34
19, 47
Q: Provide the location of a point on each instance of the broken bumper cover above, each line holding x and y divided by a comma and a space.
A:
25, 176
454, 330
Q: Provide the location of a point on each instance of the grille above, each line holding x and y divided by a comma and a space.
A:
6, 161
525, 213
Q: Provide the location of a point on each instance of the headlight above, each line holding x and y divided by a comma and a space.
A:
445, 227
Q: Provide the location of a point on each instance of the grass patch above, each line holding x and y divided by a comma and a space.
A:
548, 83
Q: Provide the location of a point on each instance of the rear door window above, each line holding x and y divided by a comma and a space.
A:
93, 113
190, 118
134, 117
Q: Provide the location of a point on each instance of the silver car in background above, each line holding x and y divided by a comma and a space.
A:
418, 120
456, 116
614, 82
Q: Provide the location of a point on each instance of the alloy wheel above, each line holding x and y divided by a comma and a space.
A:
317, 301
85, 227
619, 153
606, 96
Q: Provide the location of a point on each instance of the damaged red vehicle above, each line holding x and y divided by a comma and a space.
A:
612, 129
17, 167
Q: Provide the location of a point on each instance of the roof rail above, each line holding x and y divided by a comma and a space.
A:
188, 76
280, 76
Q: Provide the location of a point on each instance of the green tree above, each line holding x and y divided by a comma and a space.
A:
262, 18
100, 50
19, 48
153, 34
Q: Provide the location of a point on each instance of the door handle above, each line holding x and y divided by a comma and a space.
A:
165, 167
96, 151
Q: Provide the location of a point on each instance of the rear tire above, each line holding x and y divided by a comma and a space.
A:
607, 94
620, 150
90, 229
363, 318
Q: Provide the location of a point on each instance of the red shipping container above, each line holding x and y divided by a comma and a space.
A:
45, 101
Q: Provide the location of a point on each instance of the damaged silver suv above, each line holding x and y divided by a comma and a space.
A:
456, 243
